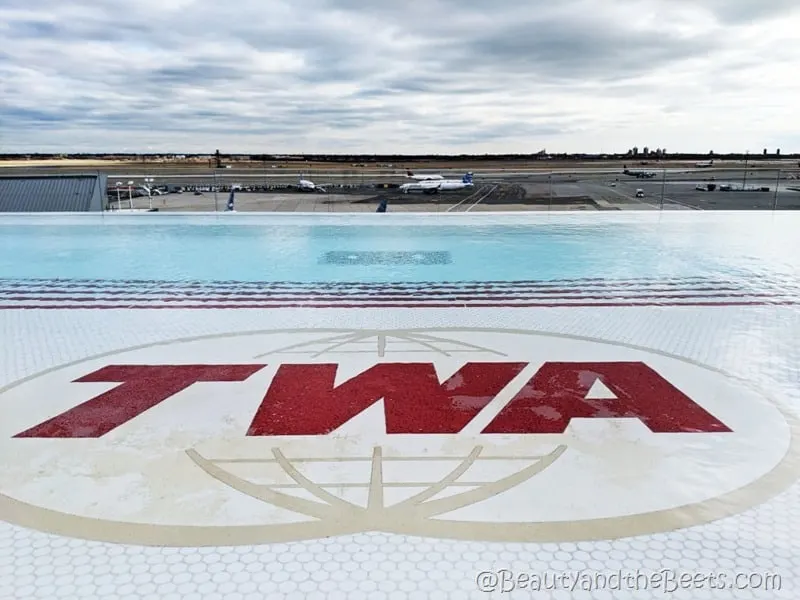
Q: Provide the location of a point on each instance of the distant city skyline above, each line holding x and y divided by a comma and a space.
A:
350, 76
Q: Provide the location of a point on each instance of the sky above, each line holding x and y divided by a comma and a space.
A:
411, 77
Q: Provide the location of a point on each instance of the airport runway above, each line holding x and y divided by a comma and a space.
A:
191, 171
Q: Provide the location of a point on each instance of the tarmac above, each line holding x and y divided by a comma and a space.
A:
483, 199
518, 188
589, 192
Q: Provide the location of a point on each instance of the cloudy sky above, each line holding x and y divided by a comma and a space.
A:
418, 76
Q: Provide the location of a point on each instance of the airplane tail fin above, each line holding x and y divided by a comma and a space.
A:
409, 173
467, 178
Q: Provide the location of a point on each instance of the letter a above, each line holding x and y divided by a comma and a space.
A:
557, 393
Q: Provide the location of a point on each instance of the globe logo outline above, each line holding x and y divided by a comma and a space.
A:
334, 516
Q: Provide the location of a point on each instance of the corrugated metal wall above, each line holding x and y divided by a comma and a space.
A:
51, 194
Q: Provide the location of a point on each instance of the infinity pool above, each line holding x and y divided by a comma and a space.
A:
399, 249
533, 256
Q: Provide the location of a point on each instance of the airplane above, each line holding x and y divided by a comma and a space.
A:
411, 175
704, 165
308, 186
434, 187
639, 174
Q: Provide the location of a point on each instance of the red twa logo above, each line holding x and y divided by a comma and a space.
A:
303, 399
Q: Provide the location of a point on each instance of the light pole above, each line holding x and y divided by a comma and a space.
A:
550, 192
130, 194
746, 160
119, 202
149, 184
216, 205
775, 198
663, 185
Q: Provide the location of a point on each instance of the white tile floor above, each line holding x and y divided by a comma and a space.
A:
761, 539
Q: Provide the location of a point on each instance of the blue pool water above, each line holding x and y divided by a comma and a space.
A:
479, 248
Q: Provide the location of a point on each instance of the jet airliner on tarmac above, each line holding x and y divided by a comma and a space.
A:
411, 175
443, 185
304, 185
639, 174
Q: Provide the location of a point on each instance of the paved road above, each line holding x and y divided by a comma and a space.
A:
731, 200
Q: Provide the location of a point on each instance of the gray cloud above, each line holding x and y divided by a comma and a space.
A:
198, 74
419, 76
578, 49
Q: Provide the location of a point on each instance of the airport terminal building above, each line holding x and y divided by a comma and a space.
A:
53, 193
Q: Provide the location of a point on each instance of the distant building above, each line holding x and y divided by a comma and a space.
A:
54, 193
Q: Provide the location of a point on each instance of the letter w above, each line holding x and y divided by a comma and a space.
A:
303, 400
